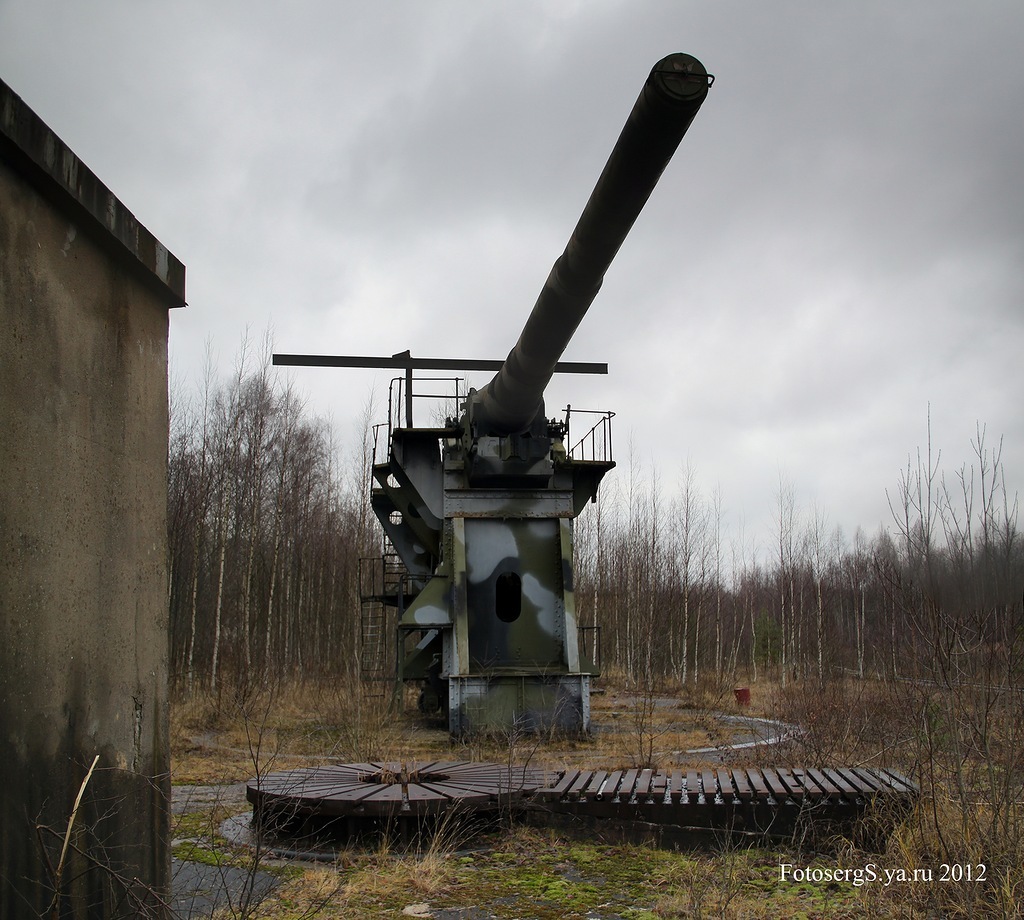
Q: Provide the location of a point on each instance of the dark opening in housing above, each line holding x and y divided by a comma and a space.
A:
508, 597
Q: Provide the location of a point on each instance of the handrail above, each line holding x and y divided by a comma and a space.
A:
596, 444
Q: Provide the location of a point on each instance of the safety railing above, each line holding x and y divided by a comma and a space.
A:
596, 444
441, 407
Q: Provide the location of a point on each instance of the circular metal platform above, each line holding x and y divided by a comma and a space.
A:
351, 802
387, 790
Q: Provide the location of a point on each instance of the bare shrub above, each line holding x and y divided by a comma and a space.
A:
837, 720
353, 721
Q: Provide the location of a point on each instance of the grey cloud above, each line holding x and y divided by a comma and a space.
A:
837, 244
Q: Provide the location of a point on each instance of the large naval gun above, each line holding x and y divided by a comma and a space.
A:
473, 598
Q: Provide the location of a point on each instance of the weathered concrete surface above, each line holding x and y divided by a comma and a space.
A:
83, 537
198, 890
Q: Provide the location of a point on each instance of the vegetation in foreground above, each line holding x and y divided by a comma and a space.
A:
548, 876
528, 871
904, 650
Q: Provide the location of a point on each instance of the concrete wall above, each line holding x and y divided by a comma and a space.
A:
84, 297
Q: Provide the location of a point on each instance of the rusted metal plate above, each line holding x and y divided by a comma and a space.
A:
725, 785
777, 787
609, 787
676, 786
758, 784
813, 792
692, 787
742, 785
392, 789
848, 790
796, 790
554, 792
830, 788
594, 786
864, 786
584, 779
897, 781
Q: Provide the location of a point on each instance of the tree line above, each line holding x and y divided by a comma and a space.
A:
269, 516
676, 600
266, 527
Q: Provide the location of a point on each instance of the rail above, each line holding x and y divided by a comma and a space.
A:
596, 444
445, 407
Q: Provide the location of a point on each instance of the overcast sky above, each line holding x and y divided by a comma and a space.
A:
837, 245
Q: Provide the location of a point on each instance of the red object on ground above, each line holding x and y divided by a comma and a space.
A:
742, 695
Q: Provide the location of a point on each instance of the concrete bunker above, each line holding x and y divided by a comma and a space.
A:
84, 296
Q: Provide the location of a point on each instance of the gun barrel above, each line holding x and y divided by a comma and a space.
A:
668, 102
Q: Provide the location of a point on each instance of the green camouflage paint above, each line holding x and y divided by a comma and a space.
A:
480, 511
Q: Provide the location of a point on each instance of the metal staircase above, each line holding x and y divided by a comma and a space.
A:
381, 589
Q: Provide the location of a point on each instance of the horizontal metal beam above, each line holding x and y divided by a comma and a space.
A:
406, 362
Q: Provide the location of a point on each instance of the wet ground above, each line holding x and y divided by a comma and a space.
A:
198, 889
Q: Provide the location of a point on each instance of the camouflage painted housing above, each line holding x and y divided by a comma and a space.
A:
480, 511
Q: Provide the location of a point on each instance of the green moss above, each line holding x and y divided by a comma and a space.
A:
193, 851
194, 824
548, 877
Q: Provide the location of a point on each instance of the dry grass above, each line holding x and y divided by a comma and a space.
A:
220, 740
962, 740
967, 815
547, 876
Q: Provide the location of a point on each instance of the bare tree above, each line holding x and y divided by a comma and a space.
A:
819, 563
690, 516
786, 514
